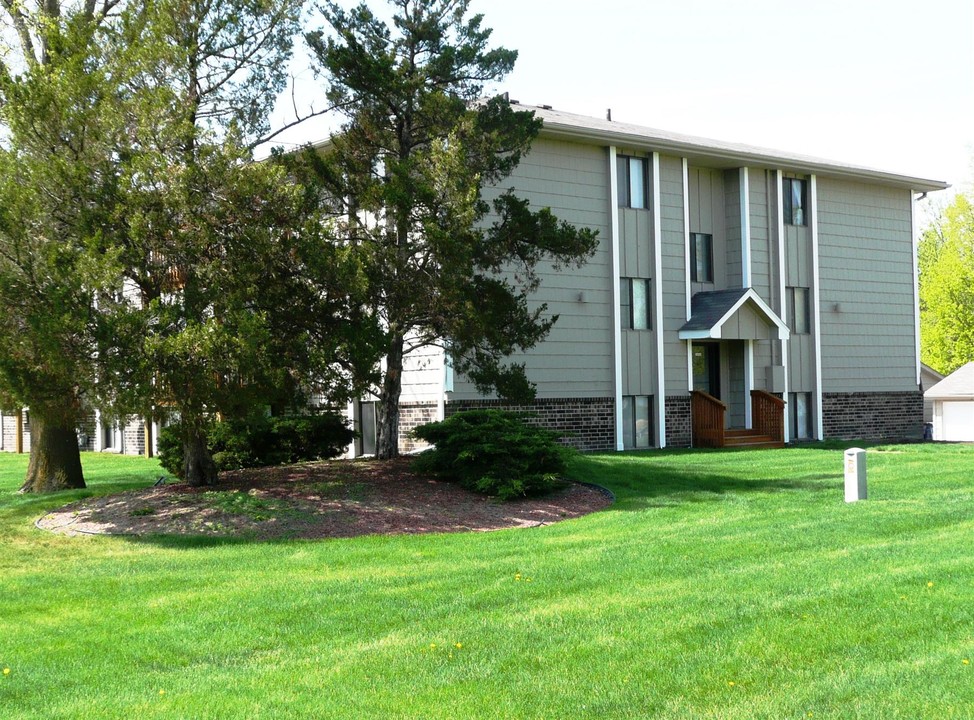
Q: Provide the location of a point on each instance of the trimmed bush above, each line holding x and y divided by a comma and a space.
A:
260, 440
493, 452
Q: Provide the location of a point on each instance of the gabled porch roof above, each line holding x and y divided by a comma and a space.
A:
738, 314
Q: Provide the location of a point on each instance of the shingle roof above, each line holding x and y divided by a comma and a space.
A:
959, 384
707, 308
614, 132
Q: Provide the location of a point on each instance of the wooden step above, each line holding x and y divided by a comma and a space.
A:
749, 439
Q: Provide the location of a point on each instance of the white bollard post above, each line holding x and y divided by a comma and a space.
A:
855, 474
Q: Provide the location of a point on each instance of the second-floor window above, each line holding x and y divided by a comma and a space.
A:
701, 257
798, 310
634, 297
794, 201
633, 174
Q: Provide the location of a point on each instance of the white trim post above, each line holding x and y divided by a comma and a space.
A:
783, 301
658, 309
916, 281
745, 229
748, 382
616, 300
816, 307
686, 260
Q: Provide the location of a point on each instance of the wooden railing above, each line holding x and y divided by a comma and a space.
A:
707, 417
768, 414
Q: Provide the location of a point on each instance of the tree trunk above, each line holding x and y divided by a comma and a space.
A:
387, 415
55, 460
199, 470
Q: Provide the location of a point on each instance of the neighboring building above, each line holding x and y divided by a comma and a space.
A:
722, 269
928, 378
953, 406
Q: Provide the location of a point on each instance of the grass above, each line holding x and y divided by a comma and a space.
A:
720, 585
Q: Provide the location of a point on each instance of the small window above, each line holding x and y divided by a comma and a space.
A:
798, 310
632, 174
801, 416
794, 201
635, 303
637, 427
701, 257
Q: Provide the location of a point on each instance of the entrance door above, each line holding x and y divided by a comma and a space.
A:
706, 368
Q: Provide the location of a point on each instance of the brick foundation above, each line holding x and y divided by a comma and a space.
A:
588, 424
873, 416
412, 415
678, 426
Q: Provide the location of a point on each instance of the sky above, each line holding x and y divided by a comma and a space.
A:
886, 84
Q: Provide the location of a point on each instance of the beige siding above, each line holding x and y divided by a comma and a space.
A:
674, 274
763, 253
576, 359
422, 377
866, 270
707, 215
732, 214
638, 362
745, 324
636, 240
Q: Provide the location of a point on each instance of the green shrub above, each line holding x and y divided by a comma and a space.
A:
493, 452
260, 440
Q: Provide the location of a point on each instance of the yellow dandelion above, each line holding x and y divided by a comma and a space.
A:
730, 683
965, 661
528, 580
458, 646
517, 576
930, 584
432, 646
162, 692
6, 671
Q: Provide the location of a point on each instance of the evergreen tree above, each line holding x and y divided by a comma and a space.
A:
406, 175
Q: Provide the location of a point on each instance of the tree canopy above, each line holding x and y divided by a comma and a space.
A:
946, 264
406, 175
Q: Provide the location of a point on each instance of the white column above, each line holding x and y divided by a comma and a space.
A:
816, 308
916, 282
99, 433
783, 294
616, 300
658, 320
745, 230
686, 260
350, 416
748, 382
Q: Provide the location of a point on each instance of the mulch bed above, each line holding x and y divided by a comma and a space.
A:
339, 498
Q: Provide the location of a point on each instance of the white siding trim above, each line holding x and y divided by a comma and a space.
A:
658, 320
748, 382
782, 282
686, 229
99, 432
686, 259
1, 429
745, 230
616, 300
816, 308
916, 281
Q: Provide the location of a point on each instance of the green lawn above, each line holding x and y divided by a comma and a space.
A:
720, 585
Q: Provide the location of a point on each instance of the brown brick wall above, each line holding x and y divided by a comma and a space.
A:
412, 415
678, 432
873, 416
588, 423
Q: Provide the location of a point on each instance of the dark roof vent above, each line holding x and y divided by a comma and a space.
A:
608, 114
545, 107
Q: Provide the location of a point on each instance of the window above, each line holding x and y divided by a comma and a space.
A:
793, 201
634, 298
633, 174
637, 427
801, 416
701, 257
798, 310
